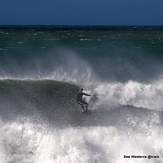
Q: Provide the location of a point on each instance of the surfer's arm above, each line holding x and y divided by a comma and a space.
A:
86, 94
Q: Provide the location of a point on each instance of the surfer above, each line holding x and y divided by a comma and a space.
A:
81, 100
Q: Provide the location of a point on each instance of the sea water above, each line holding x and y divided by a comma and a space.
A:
41, 72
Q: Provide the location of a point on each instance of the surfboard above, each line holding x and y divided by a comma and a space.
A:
86, 112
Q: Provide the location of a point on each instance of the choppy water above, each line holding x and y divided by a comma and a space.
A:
41, 72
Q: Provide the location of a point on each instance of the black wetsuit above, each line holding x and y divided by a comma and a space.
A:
82, 102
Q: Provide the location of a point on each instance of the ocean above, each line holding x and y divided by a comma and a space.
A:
43, 68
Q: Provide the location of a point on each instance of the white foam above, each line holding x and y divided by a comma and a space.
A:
27, 142
146, 95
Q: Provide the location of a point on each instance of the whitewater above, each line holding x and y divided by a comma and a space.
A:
40, 121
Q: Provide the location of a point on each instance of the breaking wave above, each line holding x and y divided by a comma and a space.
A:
41, 122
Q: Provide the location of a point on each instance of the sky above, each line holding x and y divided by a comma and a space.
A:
81, 12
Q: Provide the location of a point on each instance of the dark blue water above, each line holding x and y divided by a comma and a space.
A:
112, 54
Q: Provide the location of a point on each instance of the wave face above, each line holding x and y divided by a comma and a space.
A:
41, 73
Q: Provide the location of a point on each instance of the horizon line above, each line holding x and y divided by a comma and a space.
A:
81, 27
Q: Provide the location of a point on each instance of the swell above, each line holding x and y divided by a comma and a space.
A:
35, 97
